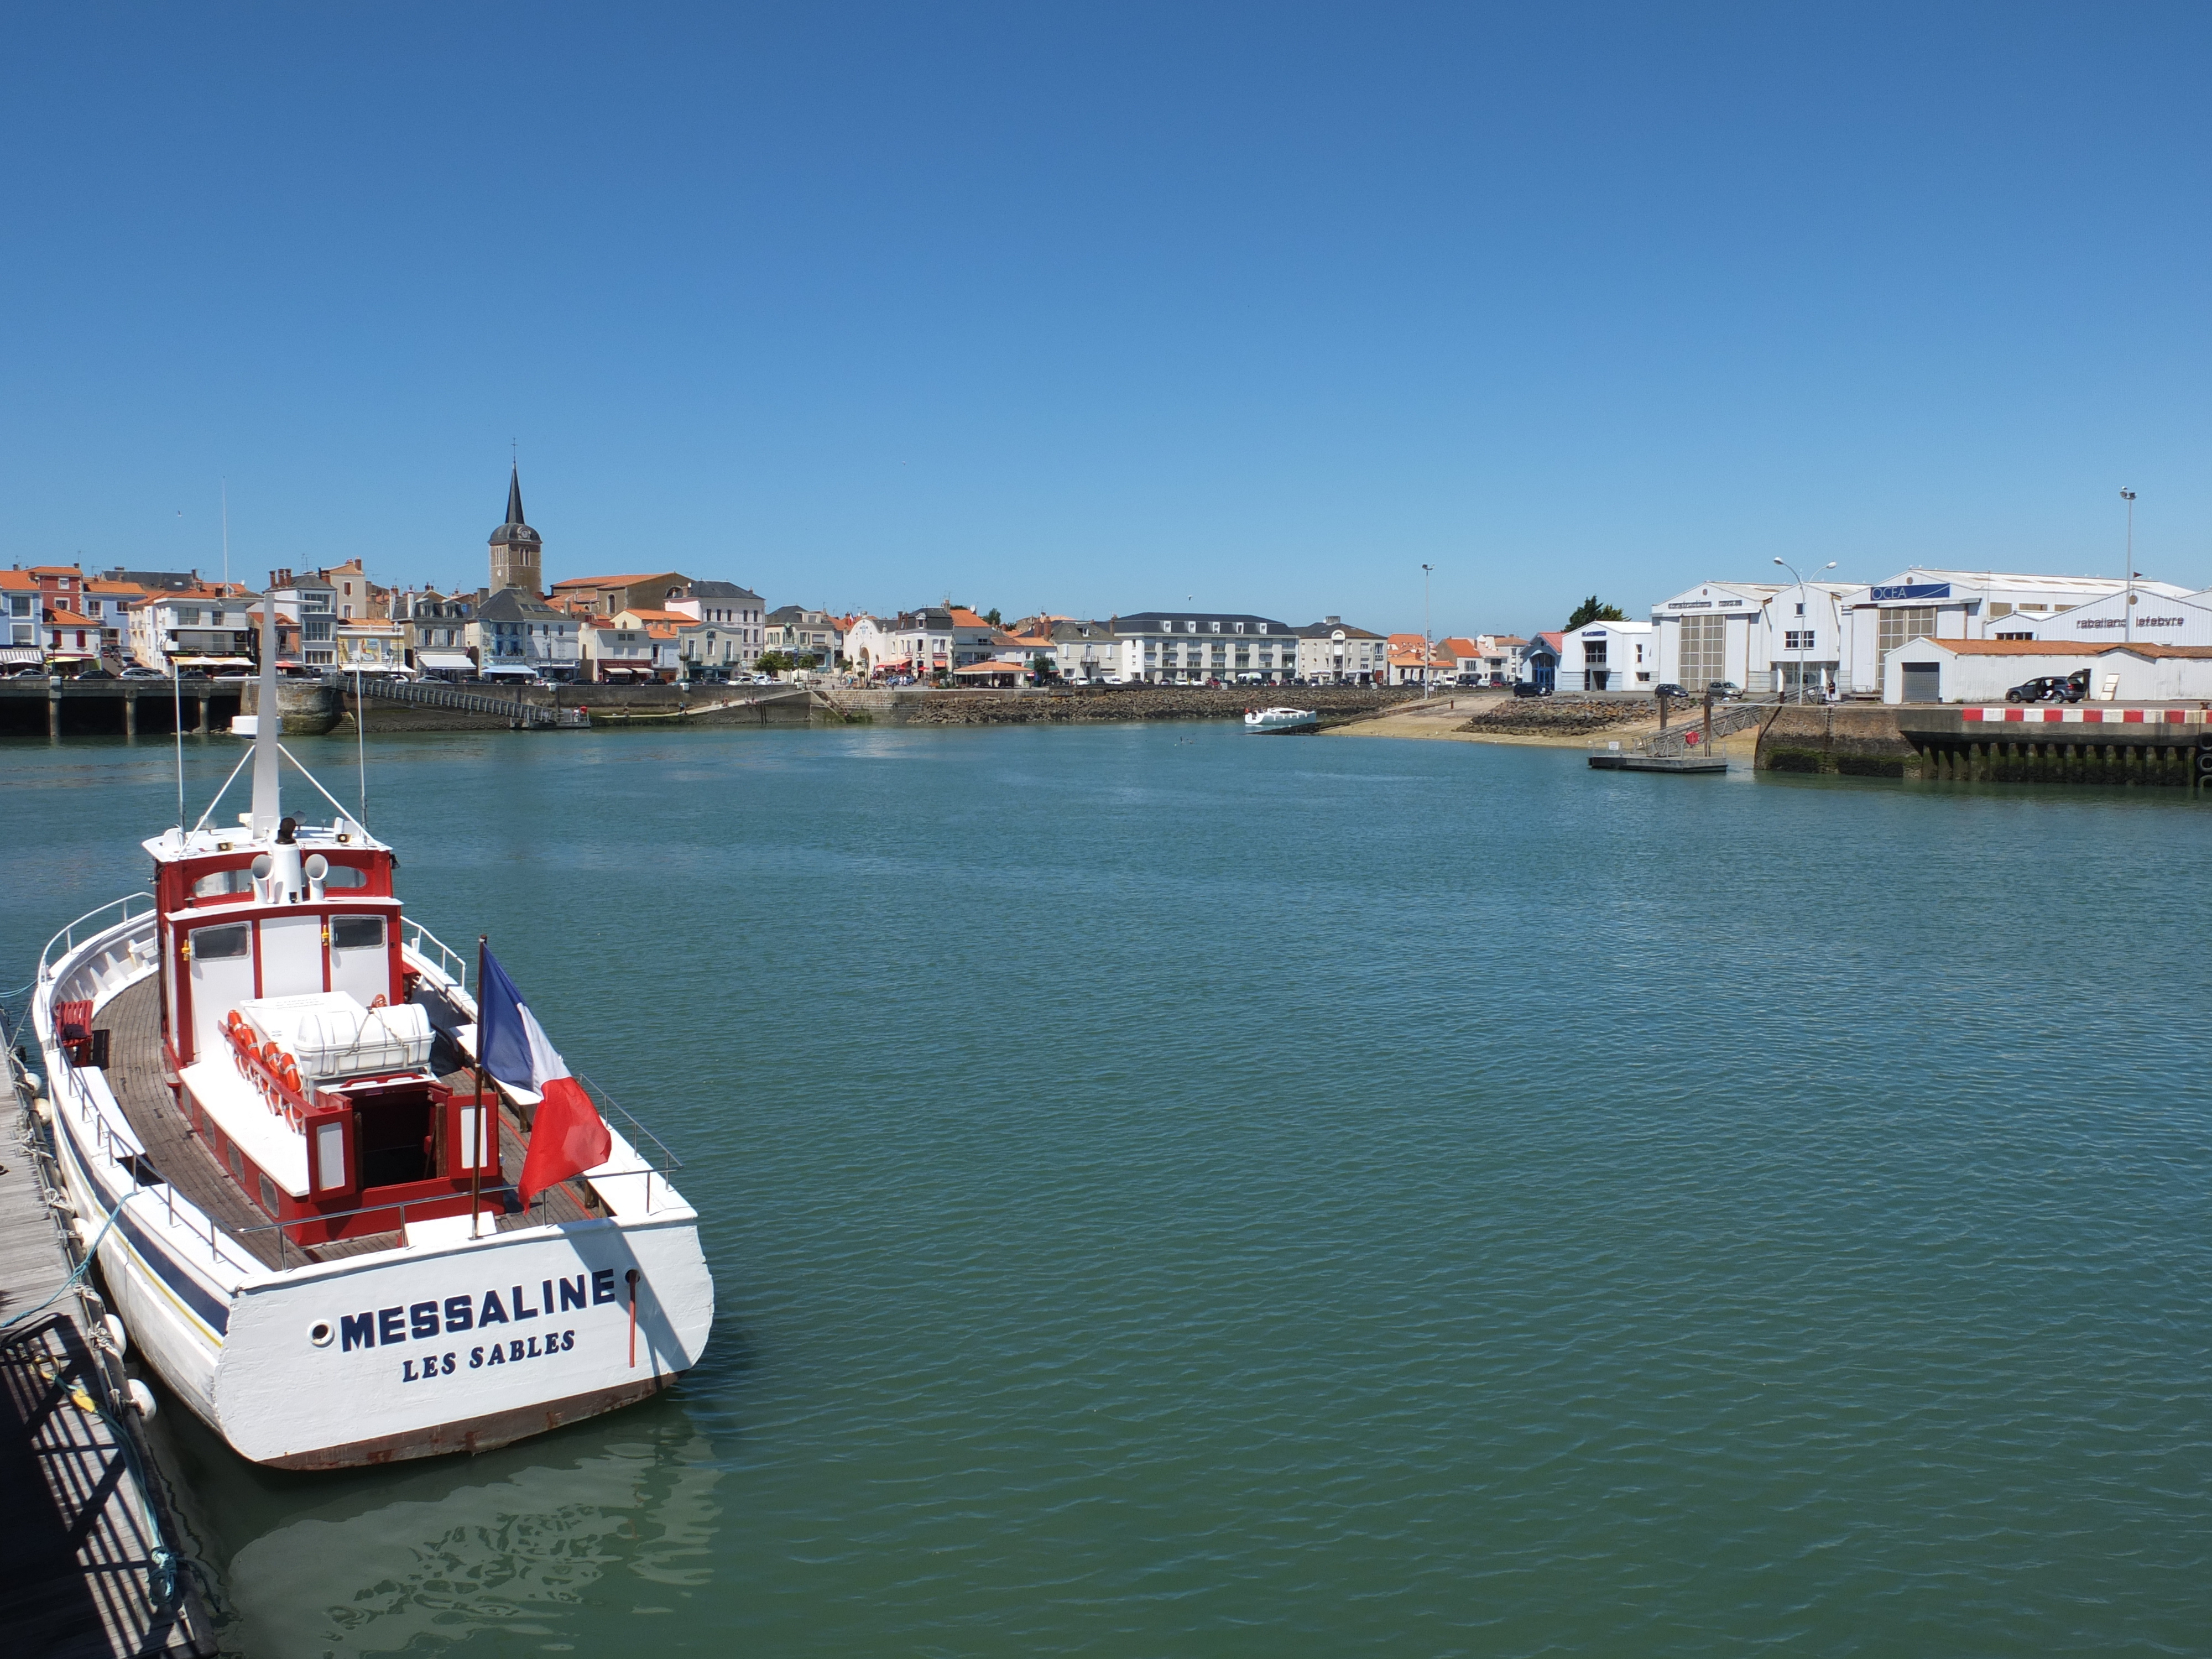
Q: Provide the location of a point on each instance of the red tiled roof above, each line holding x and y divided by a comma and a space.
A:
21, 580
61, 618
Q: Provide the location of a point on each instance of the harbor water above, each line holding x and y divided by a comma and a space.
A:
1176, 1191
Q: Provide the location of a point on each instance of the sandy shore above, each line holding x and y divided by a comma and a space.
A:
1443, 719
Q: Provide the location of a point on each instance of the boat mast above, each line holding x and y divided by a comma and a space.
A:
267, 805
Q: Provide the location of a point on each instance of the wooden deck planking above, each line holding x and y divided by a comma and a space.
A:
177, 1155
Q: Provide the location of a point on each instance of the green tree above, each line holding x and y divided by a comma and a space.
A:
1041, 668
992, 616
774, 662
1590, 610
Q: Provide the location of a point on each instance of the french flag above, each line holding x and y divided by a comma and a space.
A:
568, 1136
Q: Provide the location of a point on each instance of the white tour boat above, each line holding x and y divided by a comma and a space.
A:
1279, 720
265, 1099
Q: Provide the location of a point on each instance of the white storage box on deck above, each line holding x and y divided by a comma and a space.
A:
328, 1034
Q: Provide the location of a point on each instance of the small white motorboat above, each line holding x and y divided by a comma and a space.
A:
1280, 719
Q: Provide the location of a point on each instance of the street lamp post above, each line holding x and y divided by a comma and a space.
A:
1803, 634
2128, 607
1428, 650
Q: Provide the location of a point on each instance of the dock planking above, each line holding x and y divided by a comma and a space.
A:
91, 1571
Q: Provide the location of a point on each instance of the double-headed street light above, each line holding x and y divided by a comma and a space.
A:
2128, 608
1803, 635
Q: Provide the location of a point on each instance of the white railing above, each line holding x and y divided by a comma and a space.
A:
111, 1139
451, 963
66, 941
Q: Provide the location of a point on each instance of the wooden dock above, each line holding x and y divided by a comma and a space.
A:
93, 1568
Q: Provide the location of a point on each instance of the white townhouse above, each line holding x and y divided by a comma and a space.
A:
1332, 651
370, 646
1083, 651
203, 629
1608, 656
732, 621
1184, 647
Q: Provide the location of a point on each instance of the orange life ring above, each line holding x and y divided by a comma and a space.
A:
271, 1053
288, 1074
377, 1001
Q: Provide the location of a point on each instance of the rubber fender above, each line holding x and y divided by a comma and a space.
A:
118, 1337
142, 1399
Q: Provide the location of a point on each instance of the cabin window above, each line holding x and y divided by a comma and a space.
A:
210, 943
223, 881
344, 875
356, 932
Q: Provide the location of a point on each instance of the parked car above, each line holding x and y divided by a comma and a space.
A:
2052, 688
1530, 689
1669, 689
23, 674
1724, 690
140, 672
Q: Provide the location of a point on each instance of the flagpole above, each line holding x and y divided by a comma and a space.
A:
476, 1152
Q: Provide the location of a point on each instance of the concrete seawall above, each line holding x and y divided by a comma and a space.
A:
1936, 740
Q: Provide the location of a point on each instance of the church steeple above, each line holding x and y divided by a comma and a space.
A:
517, 552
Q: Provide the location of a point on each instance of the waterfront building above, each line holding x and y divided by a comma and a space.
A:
108, 603
610, 595
354, 597
518, 552
515, 633
1333, 652
1607, 656
2142, 616
1082, 651
1501, 655
1981, 670
1190, 648
192, 630
437, 626
369, 646
311, 603
613, 654
734, 624
797, 631
1540, 663
18, 617
1841, 634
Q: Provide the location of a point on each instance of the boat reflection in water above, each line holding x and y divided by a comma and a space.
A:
529, 1541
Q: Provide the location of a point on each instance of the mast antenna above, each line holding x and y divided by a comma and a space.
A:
226, 532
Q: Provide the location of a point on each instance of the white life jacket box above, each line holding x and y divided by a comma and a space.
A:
330, 1036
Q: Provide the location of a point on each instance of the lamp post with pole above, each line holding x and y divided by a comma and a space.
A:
2128, 607
1803, 634
1428, 650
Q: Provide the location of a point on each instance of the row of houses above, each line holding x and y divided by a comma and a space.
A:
1903, 639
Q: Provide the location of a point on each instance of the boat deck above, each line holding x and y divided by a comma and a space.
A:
183, 1159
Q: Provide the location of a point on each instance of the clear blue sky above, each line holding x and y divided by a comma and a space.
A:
1092, 310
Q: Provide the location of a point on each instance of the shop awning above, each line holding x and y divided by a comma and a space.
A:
213, 662
445, 662
14, 656
510, 668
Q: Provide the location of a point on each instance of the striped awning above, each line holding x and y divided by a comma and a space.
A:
17, 656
